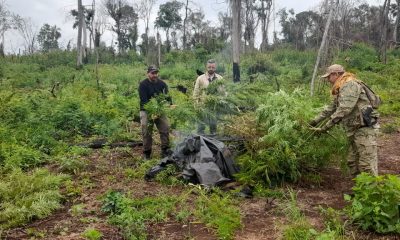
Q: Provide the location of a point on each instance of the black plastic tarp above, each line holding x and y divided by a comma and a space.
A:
201, 159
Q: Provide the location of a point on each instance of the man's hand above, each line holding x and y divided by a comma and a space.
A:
317, 130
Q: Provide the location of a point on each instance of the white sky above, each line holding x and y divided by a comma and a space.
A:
55, 12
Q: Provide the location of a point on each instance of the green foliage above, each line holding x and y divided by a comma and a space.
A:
219, 211
132, 215
92, 234
375, 204
169, 176
285, 147
259, 63
298, 226
48, 37
361, 57
25, 196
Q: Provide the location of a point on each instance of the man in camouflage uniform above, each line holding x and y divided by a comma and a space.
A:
352, 108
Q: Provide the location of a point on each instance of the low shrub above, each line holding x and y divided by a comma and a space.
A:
376, 203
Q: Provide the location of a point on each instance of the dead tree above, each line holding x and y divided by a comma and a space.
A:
264, 13
396, 23
324, 37
236, 33
384, 25
79, 42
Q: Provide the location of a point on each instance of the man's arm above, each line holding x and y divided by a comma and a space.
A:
143, 96
328, 111
347, 100
196, 90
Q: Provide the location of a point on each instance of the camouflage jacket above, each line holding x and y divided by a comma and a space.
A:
347, 107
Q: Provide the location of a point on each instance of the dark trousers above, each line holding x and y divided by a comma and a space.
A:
211, 121
147, 131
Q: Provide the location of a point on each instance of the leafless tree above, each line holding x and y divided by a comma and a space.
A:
5, 24
396, 23
236, 36
28, 32
251, 23
333, 6
264, 13
144, 9
79, 47
384, 25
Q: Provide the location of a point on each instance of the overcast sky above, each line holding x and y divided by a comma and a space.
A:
55, 12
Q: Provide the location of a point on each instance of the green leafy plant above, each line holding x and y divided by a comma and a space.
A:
132, 215
281, 147
376, 203
26, 196
219, 211
92, 234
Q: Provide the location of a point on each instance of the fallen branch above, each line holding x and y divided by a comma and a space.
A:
100, 143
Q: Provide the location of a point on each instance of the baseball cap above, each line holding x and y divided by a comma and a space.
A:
152, 68
335, 68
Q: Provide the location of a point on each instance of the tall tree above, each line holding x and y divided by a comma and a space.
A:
126, 20
396, 13
185, 21
144, 9
225, 25
48, 37
28, 32
384, 24
5, 24
168, 18
236, 36
251, 24
333, 6
264, 13
88, 17
79, 48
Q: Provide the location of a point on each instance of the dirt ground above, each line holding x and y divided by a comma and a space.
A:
260, 218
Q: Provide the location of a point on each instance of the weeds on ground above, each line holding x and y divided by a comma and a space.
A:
219, 211
132, 215
375, 204
26, 196
92, 234
299, 227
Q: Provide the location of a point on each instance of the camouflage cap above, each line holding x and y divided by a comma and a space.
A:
152, 68
335, 68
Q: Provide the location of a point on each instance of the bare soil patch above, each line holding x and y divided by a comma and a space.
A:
260, 220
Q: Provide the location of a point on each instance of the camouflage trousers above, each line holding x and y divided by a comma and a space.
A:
363, 152
147, 131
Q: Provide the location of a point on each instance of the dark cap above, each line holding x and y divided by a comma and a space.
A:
152, 68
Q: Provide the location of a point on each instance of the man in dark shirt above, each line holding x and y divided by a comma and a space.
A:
149, 88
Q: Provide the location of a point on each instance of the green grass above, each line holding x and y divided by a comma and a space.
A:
28, 196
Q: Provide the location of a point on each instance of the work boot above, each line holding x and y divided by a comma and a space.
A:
146, 155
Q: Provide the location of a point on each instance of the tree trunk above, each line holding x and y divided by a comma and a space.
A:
383, 42
236, 33
84, 41
184, 39
324, 37
159, 49
264, 27
396, 24
79, 42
